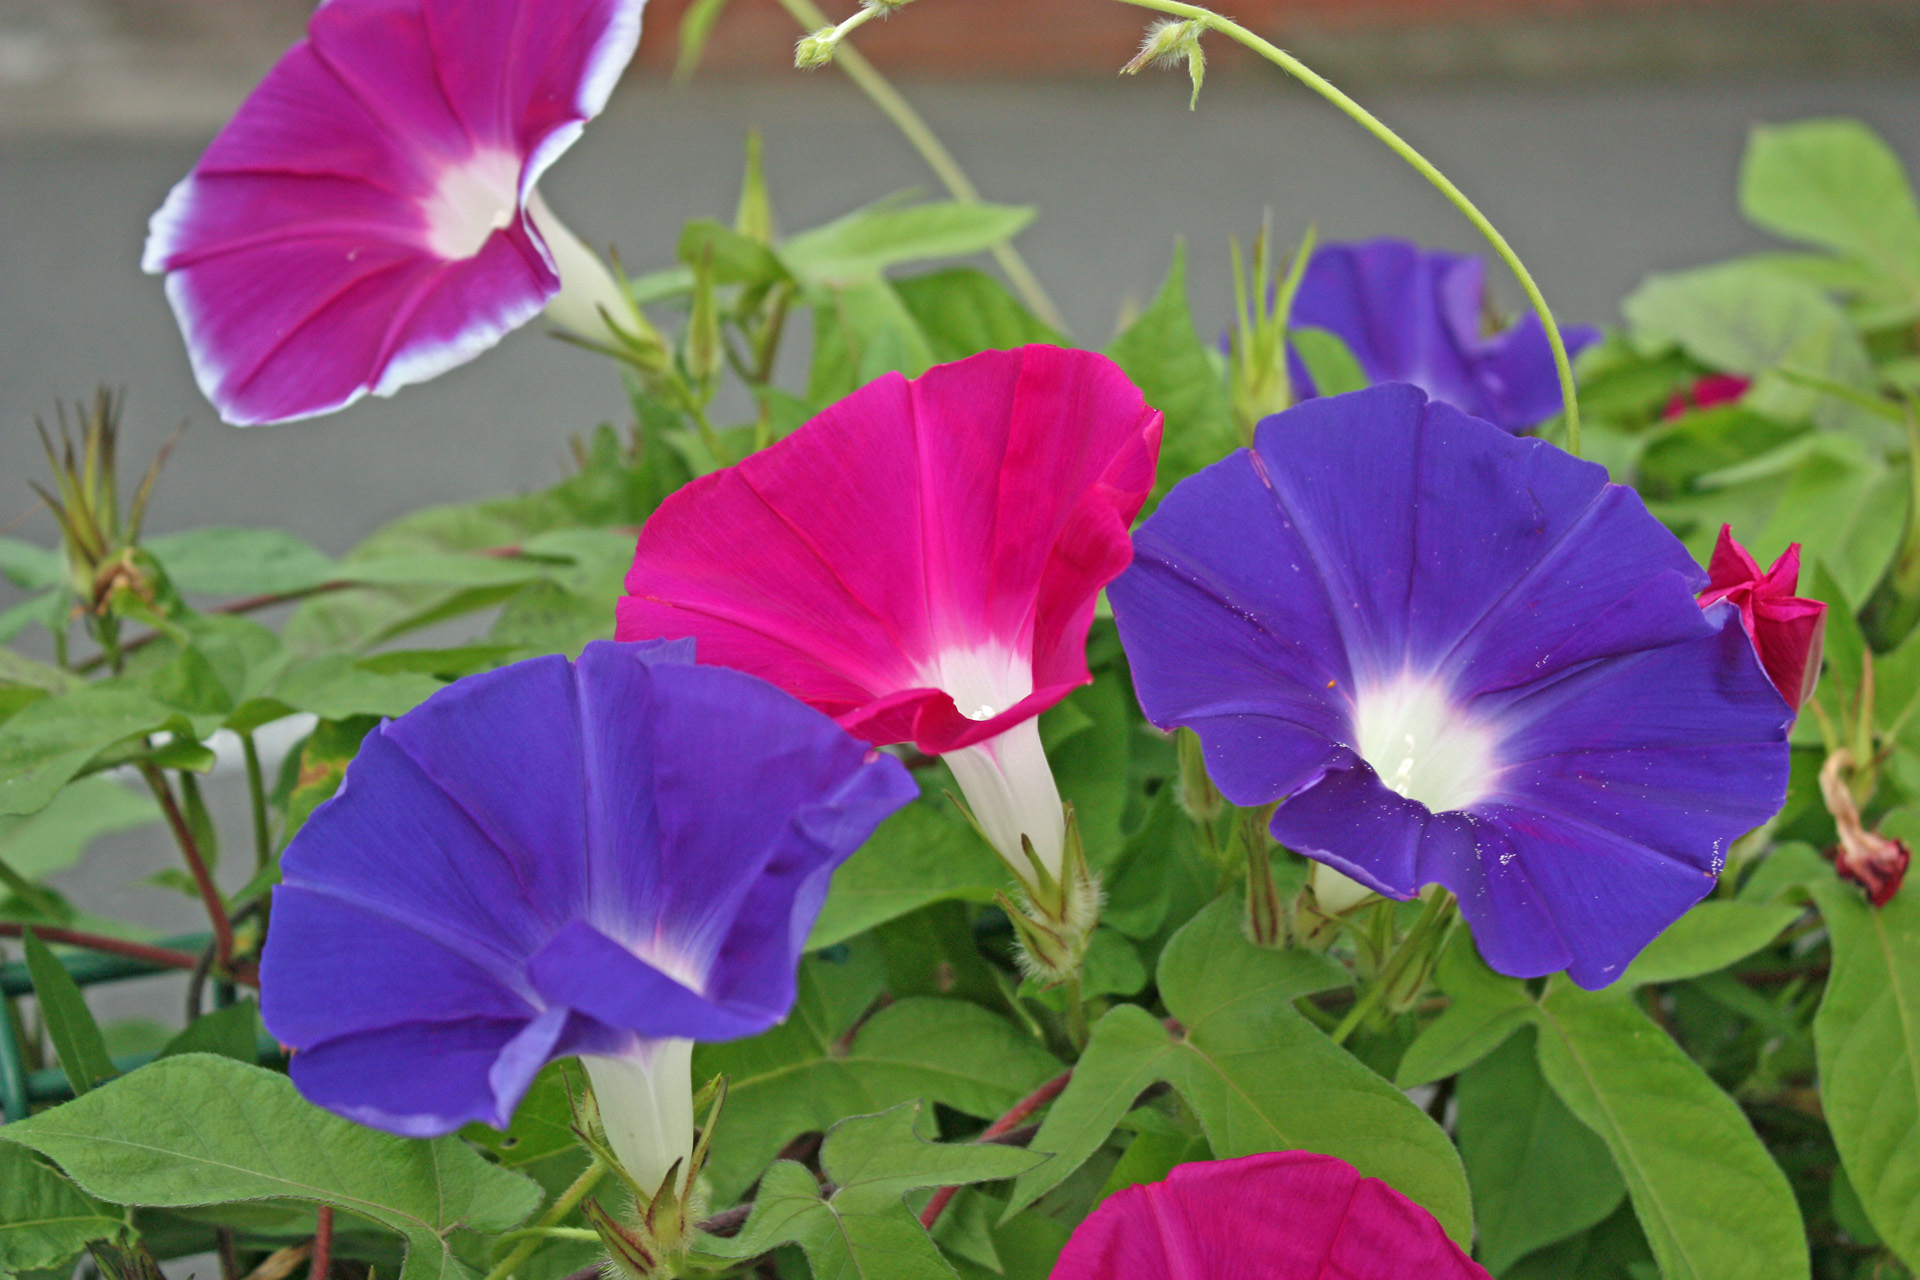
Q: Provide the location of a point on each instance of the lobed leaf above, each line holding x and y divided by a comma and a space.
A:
809, 1072
1258, 1075
862, 1226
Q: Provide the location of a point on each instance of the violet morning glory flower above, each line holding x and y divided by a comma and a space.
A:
1414, 315
921, 562
369, 220
612, 858
1458, 657
1280, 1215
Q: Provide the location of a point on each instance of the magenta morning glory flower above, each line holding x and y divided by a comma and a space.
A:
612, 858
1415, 315
1281, 1215
1458, 657
369, 219
921, 562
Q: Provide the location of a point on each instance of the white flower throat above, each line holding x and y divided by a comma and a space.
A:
1423, 745
1007, 781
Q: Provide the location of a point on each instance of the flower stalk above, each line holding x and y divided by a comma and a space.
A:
1306, 75
920, 135
1409, 962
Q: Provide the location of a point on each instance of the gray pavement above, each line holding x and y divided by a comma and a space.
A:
1595, 186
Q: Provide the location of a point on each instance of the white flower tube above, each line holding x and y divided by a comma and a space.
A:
646, 1108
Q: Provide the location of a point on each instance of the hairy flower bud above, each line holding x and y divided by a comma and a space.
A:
1168, 41
816, 50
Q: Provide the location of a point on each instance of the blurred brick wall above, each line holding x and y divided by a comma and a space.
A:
971, 37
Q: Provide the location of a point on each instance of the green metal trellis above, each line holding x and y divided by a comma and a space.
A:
20, 1089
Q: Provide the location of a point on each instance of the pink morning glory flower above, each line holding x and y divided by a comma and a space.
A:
921, 562
1788, 632
369, 219
1281, 1215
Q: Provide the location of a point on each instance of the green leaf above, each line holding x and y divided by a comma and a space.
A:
1538, 1174
1163, 354
323, 766
54, 838
200, 1129
1258, 1075
1835, 183
1731, 1217
46, 743
863, 244
44, 1219
1484, 1009
29, 567
231, 1032
964, 312
803, 1075
864, 1228
239, 562
1746, 318
18, 669
1330, 362
1867, 1037
861, 330
696, 28
70, 1025
337, 686
1708, 938
924, 853
733, 258
1092, 760
542, 1124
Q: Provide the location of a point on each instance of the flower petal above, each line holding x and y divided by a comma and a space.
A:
1284, 1215
980, 507
1381, 571
360, 224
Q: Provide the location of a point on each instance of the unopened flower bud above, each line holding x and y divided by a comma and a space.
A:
1875, 862
816, 50
1787, 632
1199, 799
1168, 41
1055, 922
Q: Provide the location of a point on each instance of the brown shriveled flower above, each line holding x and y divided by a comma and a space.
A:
1875, 862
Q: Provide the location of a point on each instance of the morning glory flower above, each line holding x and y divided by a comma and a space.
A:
1280, 1215
1788, 632
1458, 657
1416, 315
369, 218
613, 858
921, 562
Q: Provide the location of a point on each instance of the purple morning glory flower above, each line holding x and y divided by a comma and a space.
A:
1414, 315
1459, 657
612, 858
369, 219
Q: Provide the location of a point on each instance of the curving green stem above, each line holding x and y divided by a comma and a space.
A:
529, 1240
918, 132
1400, 147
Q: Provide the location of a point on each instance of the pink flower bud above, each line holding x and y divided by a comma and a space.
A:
1705, 393
1786, 630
